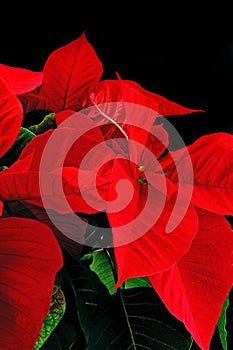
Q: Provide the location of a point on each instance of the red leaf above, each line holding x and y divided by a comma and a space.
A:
32, 100
141, 243
63, 117
124, 112
69, 235
20, 80
68, 73
149, 147
165, 107
195, 289
30, 257
113, 91
212, 159
51, 184
11, 116
60, 190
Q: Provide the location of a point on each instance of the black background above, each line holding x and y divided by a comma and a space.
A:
184, 53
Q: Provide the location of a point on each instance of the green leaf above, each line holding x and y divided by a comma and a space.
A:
132, 318
137, 282
55, 314
24, 137
222, 324
100, 264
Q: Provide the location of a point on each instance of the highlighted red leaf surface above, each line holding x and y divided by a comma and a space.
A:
195, 288
30, 257
20, 80
68, 72
11, 116
69, 75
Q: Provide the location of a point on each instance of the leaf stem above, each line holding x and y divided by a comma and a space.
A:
110, 119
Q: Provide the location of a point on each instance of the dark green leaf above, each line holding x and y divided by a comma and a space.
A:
62, 338
133, 318
24, 137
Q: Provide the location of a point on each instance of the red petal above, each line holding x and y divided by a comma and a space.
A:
30, 257
11, 116
212, 159
20, 80
68, 73
195, 289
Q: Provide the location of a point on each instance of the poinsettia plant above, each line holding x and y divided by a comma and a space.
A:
115, 233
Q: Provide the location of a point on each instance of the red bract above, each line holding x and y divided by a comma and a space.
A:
11, 116
20, 80
129, 91
69, 74
23, 180
195, 288
29, 258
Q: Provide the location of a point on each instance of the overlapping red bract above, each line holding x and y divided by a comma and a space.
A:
30, 256
191, 268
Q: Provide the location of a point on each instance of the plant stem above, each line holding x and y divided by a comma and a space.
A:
110, 119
